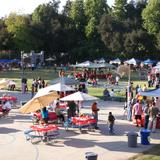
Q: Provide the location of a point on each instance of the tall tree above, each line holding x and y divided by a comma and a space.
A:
119, 9
94, 9
19, 27
5, 37
111, 32
77, 15
151, 16
49, 26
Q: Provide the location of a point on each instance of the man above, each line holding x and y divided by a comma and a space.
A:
153, 112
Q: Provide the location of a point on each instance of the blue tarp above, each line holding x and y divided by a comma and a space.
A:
9, 60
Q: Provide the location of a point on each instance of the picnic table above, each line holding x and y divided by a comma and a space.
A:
43, 133
85, 121
8, 98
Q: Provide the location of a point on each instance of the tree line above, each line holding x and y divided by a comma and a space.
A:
85, 30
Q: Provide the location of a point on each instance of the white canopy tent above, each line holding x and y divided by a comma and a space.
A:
131, 61
84, 64
116, 61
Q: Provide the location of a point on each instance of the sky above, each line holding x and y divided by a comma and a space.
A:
25, 6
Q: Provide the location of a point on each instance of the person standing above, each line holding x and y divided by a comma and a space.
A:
95, 110
146, 115
111, 120
153, 112
138, 112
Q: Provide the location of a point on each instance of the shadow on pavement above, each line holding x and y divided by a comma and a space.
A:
5, 130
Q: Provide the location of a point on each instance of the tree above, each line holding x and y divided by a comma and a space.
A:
151, 16
111, 33
78, 16
5, 37
119, 9
94, 9
138, 42
19, 27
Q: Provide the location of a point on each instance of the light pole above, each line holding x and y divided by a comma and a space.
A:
129, 92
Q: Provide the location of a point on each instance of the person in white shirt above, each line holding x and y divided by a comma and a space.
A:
6, 108
111, 93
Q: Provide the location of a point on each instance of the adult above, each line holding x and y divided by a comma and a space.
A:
137, 108
95, 110
153, 112
146, 114
72, 109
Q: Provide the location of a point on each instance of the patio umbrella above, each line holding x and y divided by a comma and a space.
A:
78, 96
58, 87
3, 83
40, 100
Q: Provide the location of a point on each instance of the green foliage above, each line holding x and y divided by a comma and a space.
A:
119, 10
86, 29
151, 16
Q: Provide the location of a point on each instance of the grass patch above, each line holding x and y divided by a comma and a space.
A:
151, 154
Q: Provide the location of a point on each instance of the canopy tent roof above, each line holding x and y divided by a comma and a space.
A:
133, 61
101, 60
152, 93
58, 87
101, 65
50, 59
83, 64
115, 61
65, 80
148, 62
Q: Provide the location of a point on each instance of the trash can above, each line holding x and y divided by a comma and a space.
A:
145, 136
91, 156
132, 139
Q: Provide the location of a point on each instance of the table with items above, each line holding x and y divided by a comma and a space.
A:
84, 121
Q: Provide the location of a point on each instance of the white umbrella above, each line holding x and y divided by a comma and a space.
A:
78, 96
57, 87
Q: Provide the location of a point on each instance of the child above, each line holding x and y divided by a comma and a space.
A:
111, 120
